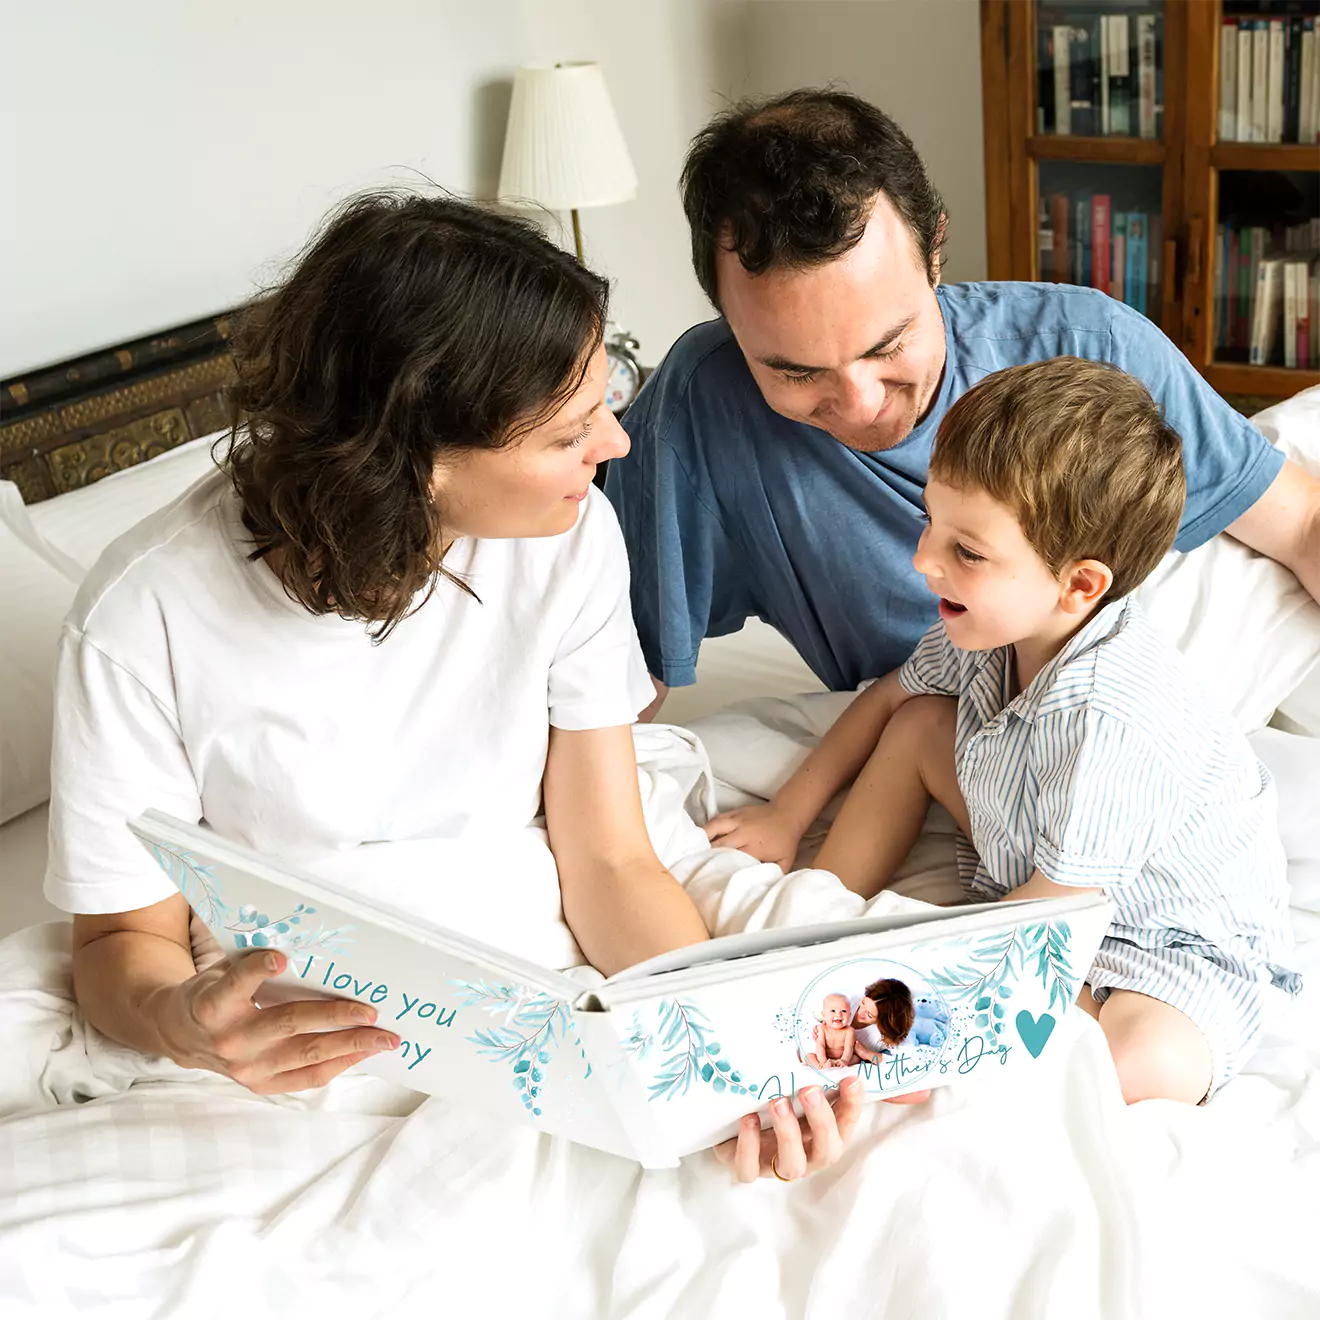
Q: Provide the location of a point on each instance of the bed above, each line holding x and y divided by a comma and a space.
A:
133, 1188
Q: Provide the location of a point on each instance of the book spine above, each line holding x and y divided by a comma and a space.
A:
1228, 81
1081, 263
1120, 94
1274, 92
1062, 79
1044, 240
1292, 81
1118, 263
1135, 280
1313, 313
1059, 224
1106, 69
1245, 59
1100, 242
1305, 82
1231, 336
1044, 79
1154, 263
1146, 75
1290, 315
1221, 278
1260, 79
1082, 79
1266, 313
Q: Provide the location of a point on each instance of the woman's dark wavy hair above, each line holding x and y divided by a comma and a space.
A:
895, 1011
410, 328
792, 180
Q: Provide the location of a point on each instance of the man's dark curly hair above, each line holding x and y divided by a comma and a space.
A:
410, 329
792, 180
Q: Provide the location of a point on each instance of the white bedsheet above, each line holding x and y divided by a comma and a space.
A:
175, 1193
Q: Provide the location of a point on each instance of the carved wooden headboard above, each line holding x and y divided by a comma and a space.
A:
68, 425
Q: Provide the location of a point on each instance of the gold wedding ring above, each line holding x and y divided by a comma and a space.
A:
774, 1168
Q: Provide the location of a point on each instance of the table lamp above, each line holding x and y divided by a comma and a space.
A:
563, 148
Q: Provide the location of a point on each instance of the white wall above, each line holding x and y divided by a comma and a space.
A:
919, 61
168, 157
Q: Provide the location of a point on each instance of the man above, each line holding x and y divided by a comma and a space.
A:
779, 453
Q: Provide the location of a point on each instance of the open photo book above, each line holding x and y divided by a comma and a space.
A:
665, 1057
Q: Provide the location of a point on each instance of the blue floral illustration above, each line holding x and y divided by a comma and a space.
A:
1001, 957
250, 928
535, 1026
686, 1053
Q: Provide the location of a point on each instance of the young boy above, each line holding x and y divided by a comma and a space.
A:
1079, 753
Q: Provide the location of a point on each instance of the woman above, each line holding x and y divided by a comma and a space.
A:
401, 611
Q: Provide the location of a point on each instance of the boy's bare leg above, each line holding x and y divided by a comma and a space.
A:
1159, 1052
883, 813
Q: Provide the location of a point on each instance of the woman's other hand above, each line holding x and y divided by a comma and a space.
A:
211, 1021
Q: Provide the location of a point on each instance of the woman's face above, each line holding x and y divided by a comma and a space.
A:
867, 1014
535, 486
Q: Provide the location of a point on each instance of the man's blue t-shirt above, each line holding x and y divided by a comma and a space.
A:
730, 510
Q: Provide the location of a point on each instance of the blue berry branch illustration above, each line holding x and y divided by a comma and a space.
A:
997, 959
686, 1052
535, 1026
249, 927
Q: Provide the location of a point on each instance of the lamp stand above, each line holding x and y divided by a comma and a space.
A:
577, 236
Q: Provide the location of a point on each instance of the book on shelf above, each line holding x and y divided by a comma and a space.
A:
664, 1058
1118, 255
1102, 264
1268, 79
1135, 278
1099, 74
1266, 310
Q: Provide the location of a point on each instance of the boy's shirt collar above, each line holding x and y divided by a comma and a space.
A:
988, 688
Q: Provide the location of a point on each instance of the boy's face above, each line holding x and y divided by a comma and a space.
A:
994, 589
835, 1012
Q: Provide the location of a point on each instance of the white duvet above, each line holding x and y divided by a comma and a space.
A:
133, 1188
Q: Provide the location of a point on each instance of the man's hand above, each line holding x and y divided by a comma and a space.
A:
766, 831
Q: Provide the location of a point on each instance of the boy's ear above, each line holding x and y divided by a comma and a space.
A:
1082, 585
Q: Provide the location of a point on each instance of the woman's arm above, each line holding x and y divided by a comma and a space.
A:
620, 903
134, 978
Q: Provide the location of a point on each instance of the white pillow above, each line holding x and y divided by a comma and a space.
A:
37, 587
82, 523
1294, 425
1248, 629
45, 552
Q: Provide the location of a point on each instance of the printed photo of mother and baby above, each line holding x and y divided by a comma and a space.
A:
851, 1031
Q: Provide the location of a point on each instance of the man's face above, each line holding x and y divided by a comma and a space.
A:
854, 346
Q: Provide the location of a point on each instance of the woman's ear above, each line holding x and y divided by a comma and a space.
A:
1083, 584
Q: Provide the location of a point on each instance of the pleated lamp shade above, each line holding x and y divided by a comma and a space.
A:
563, 147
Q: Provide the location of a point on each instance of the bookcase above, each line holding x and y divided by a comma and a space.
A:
1165, 152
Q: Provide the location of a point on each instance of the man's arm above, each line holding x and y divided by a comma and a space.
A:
1285, 525
620, 903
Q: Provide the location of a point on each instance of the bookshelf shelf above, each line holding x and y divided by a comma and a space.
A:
1211, 213
1263, 156
1264, 382
1101, 150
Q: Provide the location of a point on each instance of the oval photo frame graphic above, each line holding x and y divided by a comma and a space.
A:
851, 978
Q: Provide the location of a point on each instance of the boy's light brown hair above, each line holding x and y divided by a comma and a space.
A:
1081, 454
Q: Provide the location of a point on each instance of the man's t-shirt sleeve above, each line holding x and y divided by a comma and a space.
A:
688, 580
1229, 463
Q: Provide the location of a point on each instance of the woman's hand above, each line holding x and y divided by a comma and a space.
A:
765, 831
791, 1148
210, 1021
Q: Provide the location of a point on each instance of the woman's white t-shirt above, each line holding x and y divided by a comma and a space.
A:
189, 681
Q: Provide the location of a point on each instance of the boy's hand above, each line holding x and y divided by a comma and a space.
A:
766, 832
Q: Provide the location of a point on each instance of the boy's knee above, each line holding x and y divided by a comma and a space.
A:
1158, 1056
925, 717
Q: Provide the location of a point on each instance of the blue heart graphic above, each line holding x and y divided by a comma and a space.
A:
1034, 1031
